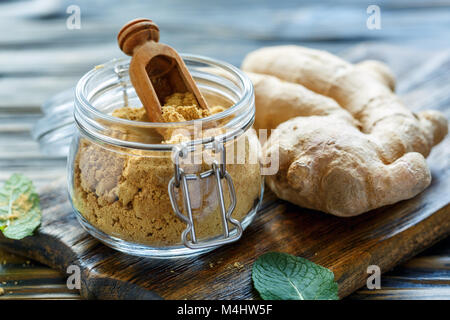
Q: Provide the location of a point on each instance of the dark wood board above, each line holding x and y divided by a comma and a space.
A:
384, 237
413, 41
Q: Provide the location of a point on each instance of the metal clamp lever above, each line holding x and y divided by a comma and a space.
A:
180, 179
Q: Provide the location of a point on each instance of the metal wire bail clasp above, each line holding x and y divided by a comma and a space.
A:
180, 181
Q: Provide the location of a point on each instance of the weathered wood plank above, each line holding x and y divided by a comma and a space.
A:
426, 276
384, 237
64, 61
252, 20
42, 54
37, 89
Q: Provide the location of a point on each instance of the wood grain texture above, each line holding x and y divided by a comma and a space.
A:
156, 69
384, 237
427, 276
43, 57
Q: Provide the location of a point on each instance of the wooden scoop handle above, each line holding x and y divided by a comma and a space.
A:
135, 33
156, 70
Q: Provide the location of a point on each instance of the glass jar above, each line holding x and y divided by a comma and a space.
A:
144, 194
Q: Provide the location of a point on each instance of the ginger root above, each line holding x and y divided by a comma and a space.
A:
346, 143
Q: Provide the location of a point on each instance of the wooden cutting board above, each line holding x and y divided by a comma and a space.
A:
384, 237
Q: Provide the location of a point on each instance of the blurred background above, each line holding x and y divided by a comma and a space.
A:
47, 45
41, 54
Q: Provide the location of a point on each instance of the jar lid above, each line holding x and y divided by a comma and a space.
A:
54, 131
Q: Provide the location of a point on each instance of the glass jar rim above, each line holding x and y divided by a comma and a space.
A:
246, 98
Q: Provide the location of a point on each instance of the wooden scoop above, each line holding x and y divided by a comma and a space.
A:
156, 70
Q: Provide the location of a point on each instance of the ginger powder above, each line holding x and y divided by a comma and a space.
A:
124, 192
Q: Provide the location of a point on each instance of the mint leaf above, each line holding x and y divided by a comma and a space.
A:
20, 212
281, 276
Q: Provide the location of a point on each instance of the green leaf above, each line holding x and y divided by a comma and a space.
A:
281, 276
20, 212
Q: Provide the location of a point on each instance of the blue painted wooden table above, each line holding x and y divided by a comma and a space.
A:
43, 50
